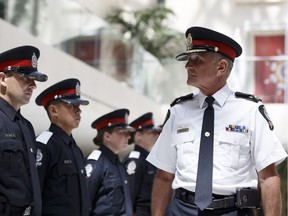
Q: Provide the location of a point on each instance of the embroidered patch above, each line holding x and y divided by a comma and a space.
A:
131, 167
39, 157
264, 113
89, 169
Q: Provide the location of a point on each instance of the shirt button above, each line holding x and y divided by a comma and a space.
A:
126, 182
82, 171
207, 134
31, 150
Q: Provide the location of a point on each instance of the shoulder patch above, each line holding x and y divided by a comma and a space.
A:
264, 113
94, 155
182, 98
247, 96
134, 154
131, 167
89, 168
39, 157
44, 137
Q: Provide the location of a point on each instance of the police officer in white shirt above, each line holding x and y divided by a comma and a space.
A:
244, 148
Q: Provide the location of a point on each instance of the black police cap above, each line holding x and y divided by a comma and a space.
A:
116, 118
22, 60
199, 40
67, 90
145, 121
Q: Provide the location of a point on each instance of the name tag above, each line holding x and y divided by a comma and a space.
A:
182, 130
9, 135
67, 161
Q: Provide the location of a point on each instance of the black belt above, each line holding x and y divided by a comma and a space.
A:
218, 201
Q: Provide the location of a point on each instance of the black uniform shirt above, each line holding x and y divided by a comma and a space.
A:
141, 174
15, 180
107, 184
62, 175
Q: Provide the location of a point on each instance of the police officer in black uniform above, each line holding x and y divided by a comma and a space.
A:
140, 172
19, 185
107, 179
60, 162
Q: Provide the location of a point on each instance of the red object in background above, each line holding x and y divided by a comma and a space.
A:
269, 74
88, 51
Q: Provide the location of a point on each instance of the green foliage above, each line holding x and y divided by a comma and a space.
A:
149, 28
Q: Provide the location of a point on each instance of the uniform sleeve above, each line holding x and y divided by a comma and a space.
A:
266, 147
43, 161
163, 153
135, 170
94, 180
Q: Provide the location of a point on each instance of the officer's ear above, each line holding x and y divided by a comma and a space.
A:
106, 137
52, 110
137, 135
3, 84
222, 67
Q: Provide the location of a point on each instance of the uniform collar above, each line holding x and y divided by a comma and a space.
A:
220, 97
8, 109
57, 130
109, 153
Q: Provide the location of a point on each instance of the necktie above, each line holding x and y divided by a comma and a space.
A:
30, 144
203, 192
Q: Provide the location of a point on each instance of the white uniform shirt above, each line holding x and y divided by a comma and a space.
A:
243, 143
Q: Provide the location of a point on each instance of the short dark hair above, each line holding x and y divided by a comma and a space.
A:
98, 140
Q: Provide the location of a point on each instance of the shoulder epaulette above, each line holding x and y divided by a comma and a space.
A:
182, 98
44, 137
134, 154
94, 155
247, 96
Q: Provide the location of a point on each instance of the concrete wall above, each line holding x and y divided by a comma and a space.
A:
104, 93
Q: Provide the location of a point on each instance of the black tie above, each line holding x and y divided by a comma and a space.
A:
203, 192
30, 143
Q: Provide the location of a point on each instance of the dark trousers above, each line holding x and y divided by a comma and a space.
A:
179, 208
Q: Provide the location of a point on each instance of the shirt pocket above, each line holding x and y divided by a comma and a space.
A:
187, 150
68, 173
234, 149
11, 157
114, 191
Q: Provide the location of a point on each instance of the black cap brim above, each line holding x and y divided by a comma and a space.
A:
185, 55
75, 101
36, 74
